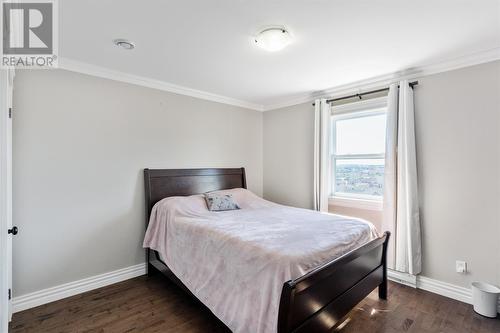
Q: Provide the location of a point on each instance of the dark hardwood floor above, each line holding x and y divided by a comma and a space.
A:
156, 305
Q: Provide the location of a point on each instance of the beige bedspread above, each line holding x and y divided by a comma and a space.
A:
236, 262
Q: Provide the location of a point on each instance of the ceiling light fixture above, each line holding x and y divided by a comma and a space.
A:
124, 43
273, 39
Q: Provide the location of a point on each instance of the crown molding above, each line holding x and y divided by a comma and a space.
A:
386, 79
373, 82
106, 73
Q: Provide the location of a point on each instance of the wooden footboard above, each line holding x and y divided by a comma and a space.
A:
317, 301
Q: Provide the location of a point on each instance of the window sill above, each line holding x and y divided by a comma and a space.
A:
365, 204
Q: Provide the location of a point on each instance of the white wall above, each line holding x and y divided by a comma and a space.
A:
458, 152
288, 155
80, 144
372, 215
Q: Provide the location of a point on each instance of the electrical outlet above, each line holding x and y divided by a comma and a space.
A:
461, 267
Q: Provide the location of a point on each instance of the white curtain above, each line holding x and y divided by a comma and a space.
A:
401, 212
389, 206
322, 115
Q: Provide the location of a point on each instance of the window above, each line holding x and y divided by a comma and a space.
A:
358, 152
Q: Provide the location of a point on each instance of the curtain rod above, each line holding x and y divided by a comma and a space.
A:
360, 96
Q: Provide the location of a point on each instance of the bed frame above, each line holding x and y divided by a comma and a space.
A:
314, 302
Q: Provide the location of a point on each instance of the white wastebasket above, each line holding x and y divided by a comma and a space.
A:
485, 298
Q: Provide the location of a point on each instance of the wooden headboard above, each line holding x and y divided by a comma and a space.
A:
163, 183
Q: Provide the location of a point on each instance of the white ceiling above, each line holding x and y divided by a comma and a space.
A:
206, 45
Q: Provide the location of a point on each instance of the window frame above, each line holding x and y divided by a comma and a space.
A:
365, 108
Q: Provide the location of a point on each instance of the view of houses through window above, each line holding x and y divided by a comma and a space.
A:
358, 153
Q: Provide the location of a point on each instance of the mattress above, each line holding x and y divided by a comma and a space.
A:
236, 262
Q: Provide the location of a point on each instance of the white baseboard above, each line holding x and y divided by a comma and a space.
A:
403, 278
449, 290
445, 289
52, 294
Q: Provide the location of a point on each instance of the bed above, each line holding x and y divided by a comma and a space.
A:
248, 281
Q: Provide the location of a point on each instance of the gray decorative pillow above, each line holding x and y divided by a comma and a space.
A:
219, 202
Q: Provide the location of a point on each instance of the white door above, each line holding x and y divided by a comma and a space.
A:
6, 229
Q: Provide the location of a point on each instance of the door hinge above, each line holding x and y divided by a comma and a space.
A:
10, 294
10, 112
